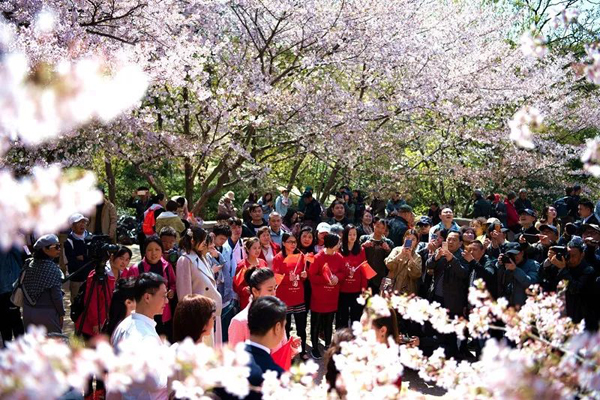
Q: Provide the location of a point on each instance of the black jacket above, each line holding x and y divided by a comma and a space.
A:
523, 204
481, 208
485, 269
454, 276
398, 227
260, 362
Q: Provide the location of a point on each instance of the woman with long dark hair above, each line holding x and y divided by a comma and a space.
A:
290, 263
252, 246
355, 281
121, 306
195, 275
306, 244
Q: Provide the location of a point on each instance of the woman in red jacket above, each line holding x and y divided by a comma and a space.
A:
252, 259
325, 274
268, 249
290, 263
97, 302
355, 282
512, 216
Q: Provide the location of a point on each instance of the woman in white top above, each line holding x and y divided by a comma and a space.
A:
195, 276
269, 249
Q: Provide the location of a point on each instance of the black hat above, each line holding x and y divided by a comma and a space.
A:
528, 211
492, 227
512, 248
547, 226
424, 221
576, 243
594, 227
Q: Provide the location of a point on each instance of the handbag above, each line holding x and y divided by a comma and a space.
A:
19, 293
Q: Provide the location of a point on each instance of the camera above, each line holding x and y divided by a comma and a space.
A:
506, 258
561, 252
100, 247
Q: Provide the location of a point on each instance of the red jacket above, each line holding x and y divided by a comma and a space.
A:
324, 297
355, 280
512, 216
274, 247
291, 294
96, 309
168, 274
239, 283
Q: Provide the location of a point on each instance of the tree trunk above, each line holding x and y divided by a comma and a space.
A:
189, 180
330, 183
110, 180
294, 173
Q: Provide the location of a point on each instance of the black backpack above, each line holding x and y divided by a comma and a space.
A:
78, 305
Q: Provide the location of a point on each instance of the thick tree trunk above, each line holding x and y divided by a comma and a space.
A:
189, 181
110, 180
294, 173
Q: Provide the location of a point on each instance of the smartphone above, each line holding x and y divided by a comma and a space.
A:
142, 192
445, 245
530, 238
434, 236
408, 243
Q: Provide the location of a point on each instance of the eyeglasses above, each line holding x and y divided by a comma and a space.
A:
54, 247
291, 242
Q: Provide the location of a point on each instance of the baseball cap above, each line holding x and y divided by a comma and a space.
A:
494, 221
548, 226
528, 211
323, 227
591, 226
73, 219
424, 221
576, 243
512, 248
405, 208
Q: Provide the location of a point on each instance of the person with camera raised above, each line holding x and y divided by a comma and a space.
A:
548, 237
515, 274
481, 266
377, 248
570, 265
496, 239
76, 253
591, 237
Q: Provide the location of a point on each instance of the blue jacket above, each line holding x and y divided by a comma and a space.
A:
398, 227
512, 284
10, 267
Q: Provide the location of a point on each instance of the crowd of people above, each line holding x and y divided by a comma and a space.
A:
274, 262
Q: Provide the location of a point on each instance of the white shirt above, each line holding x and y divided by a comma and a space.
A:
140, 328
268, 253
260, 346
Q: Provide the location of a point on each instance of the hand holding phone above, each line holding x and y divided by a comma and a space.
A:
408, 243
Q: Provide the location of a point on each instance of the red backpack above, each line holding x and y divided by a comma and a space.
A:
149, 223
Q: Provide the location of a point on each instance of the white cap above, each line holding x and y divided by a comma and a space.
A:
323, 227
73, 219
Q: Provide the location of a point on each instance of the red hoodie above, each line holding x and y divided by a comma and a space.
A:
324, 297
291, 294
96, 309
355, 280
239, 283
512, 217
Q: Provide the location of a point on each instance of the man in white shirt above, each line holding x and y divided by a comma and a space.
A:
151, 298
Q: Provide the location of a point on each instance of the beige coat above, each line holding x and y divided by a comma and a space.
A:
405, 272
108, 220
194, 276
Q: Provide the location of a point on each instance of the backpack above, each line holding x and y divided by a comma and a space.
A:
562, 207
149, 223
78, 304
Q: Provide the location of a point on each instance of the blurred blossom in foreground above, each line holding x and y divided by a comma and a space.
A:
533, 45
591, 157
522, 124
42, 203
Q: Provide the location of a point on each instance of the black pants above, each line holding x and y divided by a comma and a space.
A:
320, 321
164, 328
300, 321
348, 309
11, 324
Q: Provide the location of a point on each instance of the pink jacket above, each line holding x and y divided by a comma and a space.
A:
168, 274
239, 332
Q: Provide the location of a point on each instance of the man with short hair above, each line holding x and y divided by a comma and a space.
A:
586, 213
450, 275
168, 238
402, 218
377, 248
275, 228
266, 323
393, 205
224, 243
573, 268
482, 266
515, 274
140, 327
481, 207
447, 223
523, 202
256, 221
339, 214
140, 200
311, 210
76, 253
548, 237
496, 240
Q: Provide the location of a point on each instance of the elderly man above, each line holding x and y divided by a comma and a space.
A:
523, 202
399, 224
275, 228
447, 223
76, 254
